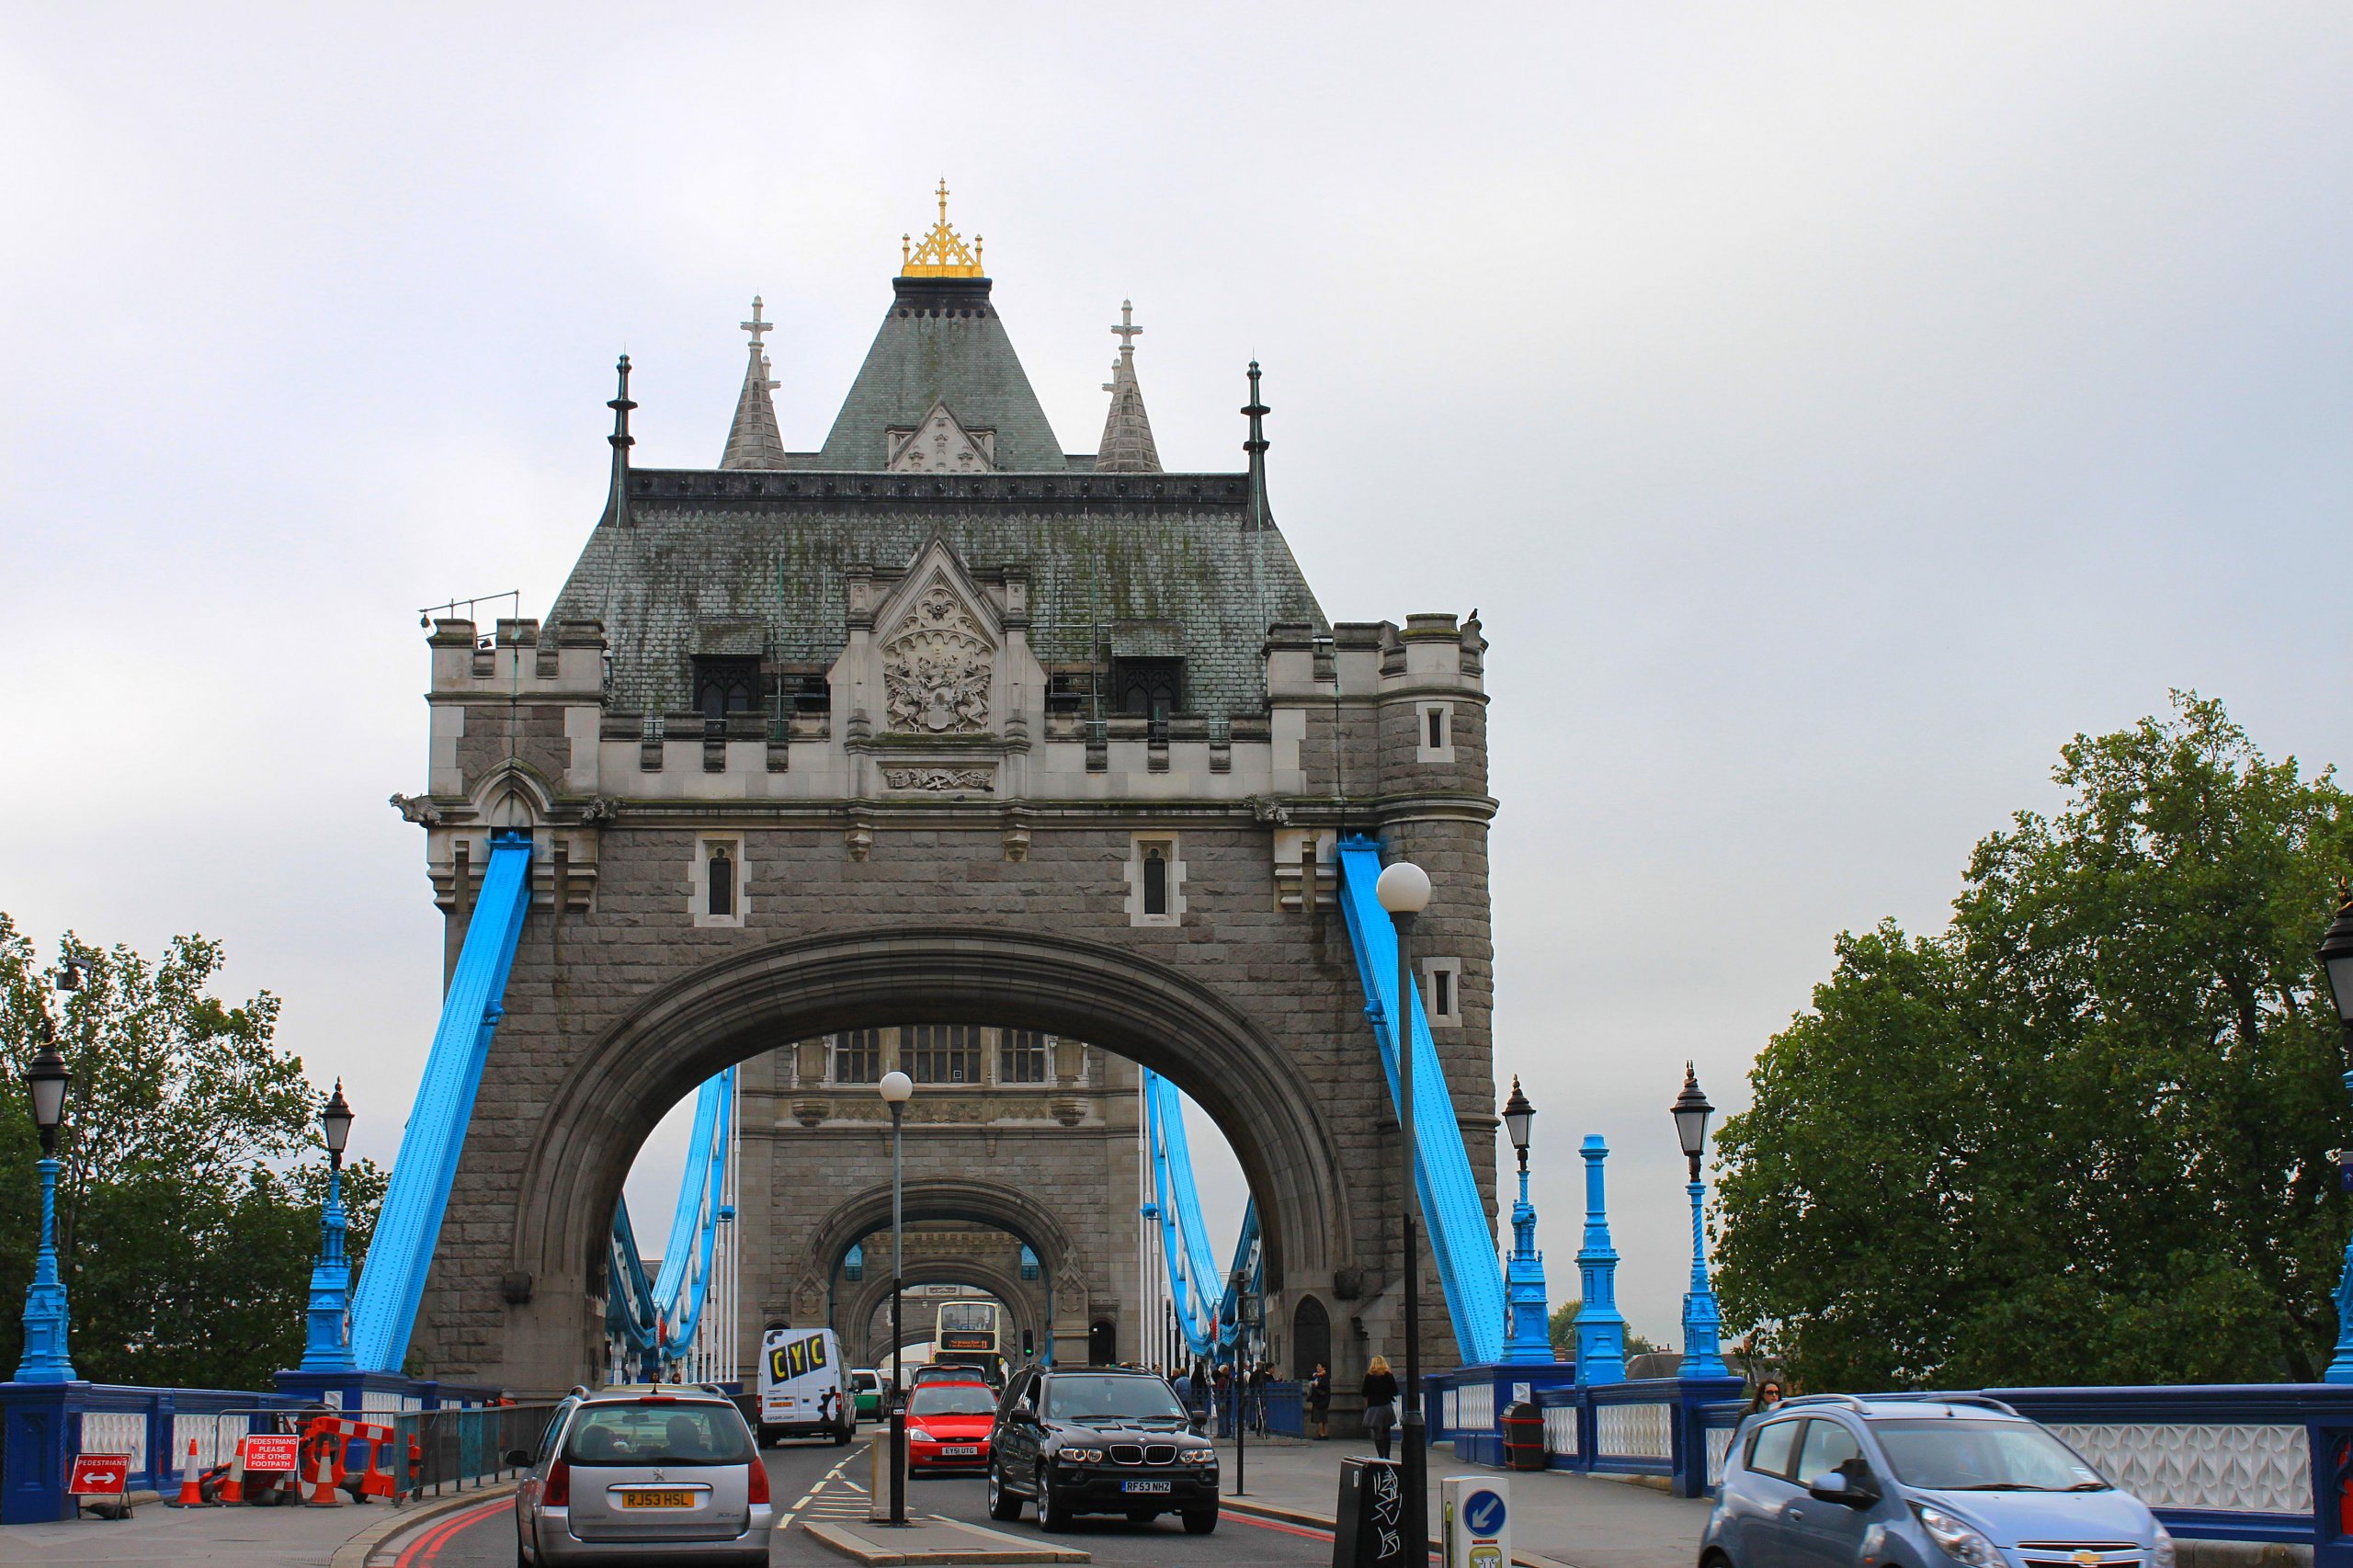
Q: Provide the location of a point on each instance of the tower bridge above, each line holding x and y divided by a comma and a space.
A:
941, 739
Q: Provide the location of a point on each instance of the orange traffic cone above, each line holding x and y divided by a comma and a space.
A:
233, 1479
192, 1489
323, 1462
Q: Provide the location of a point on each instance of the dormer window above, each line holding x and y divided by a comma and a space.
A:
726, 684
1148, 688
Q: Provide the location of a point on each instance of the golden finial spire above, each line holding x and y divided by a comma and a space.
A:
941, 253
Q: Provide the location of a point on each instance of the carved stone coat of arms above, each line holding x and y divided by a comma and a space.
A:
935, 669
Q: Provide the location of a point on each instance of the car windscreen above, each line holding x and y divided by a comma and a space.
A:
667, 1432
952, 1399
1970, 1455
1087, 1400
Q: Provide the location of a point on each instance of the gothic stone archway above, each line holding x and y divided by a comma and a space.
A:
549, 1150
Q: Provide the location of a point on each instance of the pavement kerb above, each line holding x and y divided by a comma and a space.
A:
356, 1551
1324, 1522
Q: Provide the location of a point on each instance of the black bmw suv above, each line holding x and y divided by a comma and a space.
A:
1099, 1440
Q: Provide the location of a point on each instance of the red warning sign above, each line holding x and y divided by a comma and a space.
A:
98, 1475
268, 1451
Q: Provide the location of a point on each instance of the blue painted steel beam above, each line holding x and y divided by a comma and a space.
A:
1454, 1215
685, 1281
401, 1253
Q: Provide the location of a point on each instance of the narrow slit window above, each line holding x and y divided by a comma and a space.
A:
1155, 881
722, 879
1438, 729
1444, 978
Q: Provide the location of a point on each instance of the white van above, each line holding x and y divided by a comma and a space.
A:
804, 1386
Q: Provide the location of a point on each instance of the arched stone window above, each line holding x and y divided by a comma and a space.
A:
1155, 881
719, 878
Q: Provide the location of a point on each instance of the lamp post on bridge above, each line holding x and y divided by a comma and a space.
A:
1530, 1330
895, 1087
1702, 1357
1403, 890
328, 1346
46, 1317
2336, 962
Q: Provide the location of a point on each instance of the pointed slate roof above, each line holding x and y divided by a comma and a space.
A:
941, 342
1127, 432
1127, 565
752, 440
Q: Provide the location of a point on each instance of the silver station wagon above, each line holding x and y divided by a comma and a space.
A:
635, 1473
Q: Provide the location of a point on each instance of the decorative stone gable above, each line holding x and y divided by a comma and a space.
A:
937, 663
941, 444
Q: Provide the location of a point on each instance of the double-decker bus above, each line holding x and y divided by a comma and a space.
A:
971, 1334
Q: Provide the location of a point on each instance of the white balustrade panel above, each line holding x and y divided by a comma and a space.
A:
1634, 1431
116, 1432
2247, 1469
215, 1438
1561, 1429
1477, 1410
1450, 1409
1719, 1445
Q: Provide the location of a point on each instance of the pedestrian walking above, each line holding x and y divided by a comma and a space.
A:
1380, 1404
1319, 1400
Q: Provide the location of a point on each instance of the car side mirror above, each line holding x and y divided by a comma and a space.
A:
1855, 1491
1200, 1424
518, 1458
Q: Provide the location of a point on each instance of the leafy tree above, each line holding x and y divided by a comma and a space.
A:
1562, 1328
2083, 1134
193, 1171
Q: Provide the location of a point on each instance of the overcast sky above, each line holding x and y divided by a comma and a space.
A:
1829, 408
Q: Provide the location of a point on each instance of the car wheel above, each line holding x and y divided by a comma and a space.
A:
1200, 1521
1004, 1505
1053, 1513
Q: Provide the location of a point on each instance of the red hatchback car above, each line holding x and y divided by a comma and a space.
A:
947, 1425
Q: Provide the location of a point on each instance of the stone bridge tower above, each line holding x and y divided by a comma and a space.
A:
943, 745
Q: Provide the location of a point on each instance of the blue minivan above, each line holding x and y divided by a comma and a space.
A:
1831, 1481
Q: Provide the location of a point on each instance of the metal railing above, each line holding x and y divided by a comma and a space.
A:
457, 1449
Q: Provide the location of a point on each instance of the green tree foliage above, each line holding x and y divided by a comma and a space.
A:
1562, 1329
2083, 1134
189, 1205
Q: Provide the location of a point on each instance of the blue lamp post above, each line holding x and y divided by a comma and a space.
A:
328, 1346
2336, 963
1530, 1331
47, 1318
1601, 1329
1702, 1357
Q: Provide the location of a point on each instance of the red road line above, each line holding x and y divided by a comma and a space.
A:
426, 1548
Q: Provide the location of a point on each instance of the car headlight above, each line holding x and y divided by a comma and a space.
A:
2161, 1554
917, 1434
1209, 1456
1960, 1541
1079, 1455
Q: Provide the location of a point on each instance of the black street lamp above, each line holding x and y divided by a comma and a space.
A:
1403, 890
2336, 962
1517, 1114
1691, 1113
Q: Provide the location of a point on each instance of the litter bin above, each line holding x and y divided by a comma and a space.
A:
1524, 1438
1366, 1527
